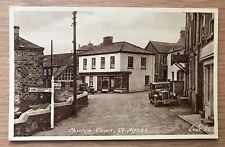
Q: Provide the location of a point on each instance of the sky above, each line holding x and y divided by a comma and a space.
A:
134, 26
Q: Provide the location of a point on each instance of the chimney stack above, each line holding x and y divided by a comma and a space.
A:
182, 34
16, 36
107, 40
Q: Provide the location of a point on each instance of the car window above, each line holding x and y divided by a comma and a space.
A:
161, 86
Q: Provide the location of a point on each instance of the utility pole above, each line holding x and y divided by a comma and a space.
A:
52, 88
51, 57
74, 66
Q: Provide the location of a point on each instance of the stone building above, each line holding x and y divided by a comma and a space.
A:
28, 61
200, 49
162, 50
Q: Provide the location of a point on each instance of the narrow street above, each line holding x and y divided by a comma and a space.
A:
122, 114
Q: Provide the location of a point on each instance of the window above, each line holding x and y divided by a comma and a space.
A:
71, 84
143, 62
112, 62
45, 72
93, 63
91, 81
172, 76
130, 62
164, 59
63, 84
146, 80
49, 72
84, 64
102, 62
67, 75
121, 82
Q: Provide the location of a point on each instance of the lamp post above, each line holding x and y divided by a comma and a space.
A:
74, 66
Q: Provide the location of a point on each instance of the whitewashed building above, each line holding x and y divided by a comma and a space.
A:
117, 67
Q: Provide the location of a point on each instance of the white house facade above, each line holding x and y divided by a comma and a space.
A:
117, 67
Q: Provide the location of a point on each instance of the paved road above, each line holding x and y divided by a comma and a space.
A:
122, 114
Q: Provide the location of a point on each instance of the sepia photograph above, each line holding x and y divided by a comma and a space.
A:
113, 73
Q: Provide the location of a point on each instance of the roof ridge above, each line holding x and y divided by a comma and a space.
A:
31, 42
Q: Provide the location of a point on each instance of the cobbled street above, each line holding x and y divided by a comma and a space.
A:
122, 114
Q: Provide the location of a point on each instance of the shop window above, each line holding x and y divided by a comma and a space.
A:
121, 82
91, 81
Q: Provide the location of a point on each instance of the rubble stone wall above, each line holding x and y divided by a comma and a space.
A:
33, 121
28, 73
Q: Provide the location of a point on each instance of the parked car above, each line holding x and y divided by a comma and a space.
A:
162, 93
85, 87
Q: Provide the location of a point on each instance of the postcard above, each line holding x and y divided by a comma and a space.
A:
113, 73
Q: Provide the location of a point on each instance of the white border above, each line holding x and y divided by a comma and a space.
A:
125, 137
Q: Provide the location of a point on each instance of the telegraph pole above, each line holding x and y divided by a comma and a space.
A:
51, 57
74, 66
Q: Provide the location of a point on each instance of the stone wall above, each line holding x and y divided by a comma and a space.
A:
28, 73
33, 121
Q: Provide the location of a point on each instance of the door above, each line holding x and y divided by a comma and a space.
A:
99, 83
105, 83
208, 90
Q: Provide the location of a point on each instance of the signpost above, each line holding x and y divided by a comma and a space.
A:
52, 103
39, 89
42, 89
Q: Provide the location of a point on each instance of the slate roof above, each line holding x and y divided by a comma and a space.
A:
58, 59
165, 47
159, 47
60, 70
114, 48
25, 44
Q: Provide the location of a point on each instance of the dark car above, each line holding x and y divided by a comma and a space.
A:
162, 93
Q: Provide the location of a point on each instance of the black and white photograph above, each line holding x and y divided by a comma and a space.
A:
113, 73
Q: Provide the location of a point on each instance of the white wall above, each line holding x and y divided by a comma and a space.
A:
172, 68
98, 63
137, 77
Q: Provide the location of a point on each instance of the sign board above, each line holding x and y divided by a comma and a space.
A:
39, 89
179, 59
57, 84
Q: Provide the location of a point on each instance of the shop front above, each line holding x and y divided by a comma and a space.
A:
110, 81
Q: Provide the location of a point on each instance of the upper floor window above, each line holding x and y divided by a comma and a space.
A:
130, 62
93, 63
102, 62
112, 62
164, 59
143, 62
85, 64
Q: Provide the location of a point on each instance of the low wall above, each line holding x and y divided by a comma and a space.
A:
33, 121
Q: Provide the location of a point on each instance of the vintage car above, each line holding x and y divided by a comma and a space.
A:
162, 93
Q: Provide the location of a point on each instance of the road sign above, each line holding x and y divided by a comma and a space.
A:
57, 84
39, 89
